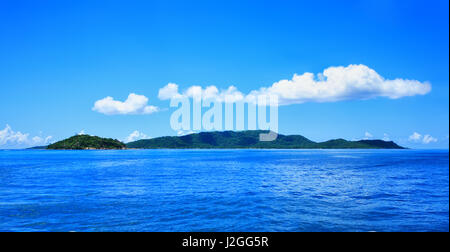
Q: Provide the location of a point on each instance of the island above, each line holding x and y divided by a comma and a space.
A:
250, 140
216, 140
86, 142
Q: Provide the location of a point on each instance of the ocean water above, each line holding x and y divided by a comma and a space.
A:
224, 190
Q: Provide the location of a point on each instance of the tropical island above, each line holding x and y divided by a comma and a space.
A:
86, 142
218, 140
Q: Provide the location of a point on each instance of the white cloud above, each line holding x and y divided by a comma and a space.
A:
82, 132
415, 137
135, 104
367, 136
48, 139
169, 91
136, 135
426, 139
37, 139
231, 94
343, 83
334, 84
10, 139
386, 137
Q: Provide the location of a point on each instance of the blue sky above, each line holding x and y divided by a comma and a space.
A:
57, 58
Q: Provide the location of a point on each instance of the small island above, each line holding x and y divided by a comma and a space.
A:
86, 142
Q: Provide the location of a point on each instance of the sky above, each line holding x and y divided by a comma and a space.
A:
342, 69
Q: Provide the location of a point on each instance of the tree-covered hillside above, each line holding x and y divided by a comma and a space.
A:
83, 142
250, 139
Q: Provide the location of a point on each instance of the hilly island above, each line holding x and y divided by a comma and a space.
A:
218, 140
86, 142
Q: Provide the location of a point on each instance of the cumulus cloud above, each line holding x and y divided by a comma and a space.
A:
10, 139
134, 104
386, 137
82, 132
333, 84
428, 139
8, 136
169, 91
415, 137
343, 83
367, 136
418, 138
37, 140
136, 135
231, 94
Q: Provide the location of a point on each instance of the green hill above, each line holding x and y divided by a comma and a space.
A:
250, 139
86, 142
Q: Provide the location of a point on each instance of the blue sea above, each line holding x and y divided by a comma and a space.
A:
224, 190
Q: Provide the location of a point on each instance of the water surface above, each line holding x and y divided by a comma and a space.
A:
224, 190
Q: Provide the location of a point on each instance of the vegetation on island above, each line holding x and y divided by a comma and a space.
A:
86, 142
217, 140
250, 140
